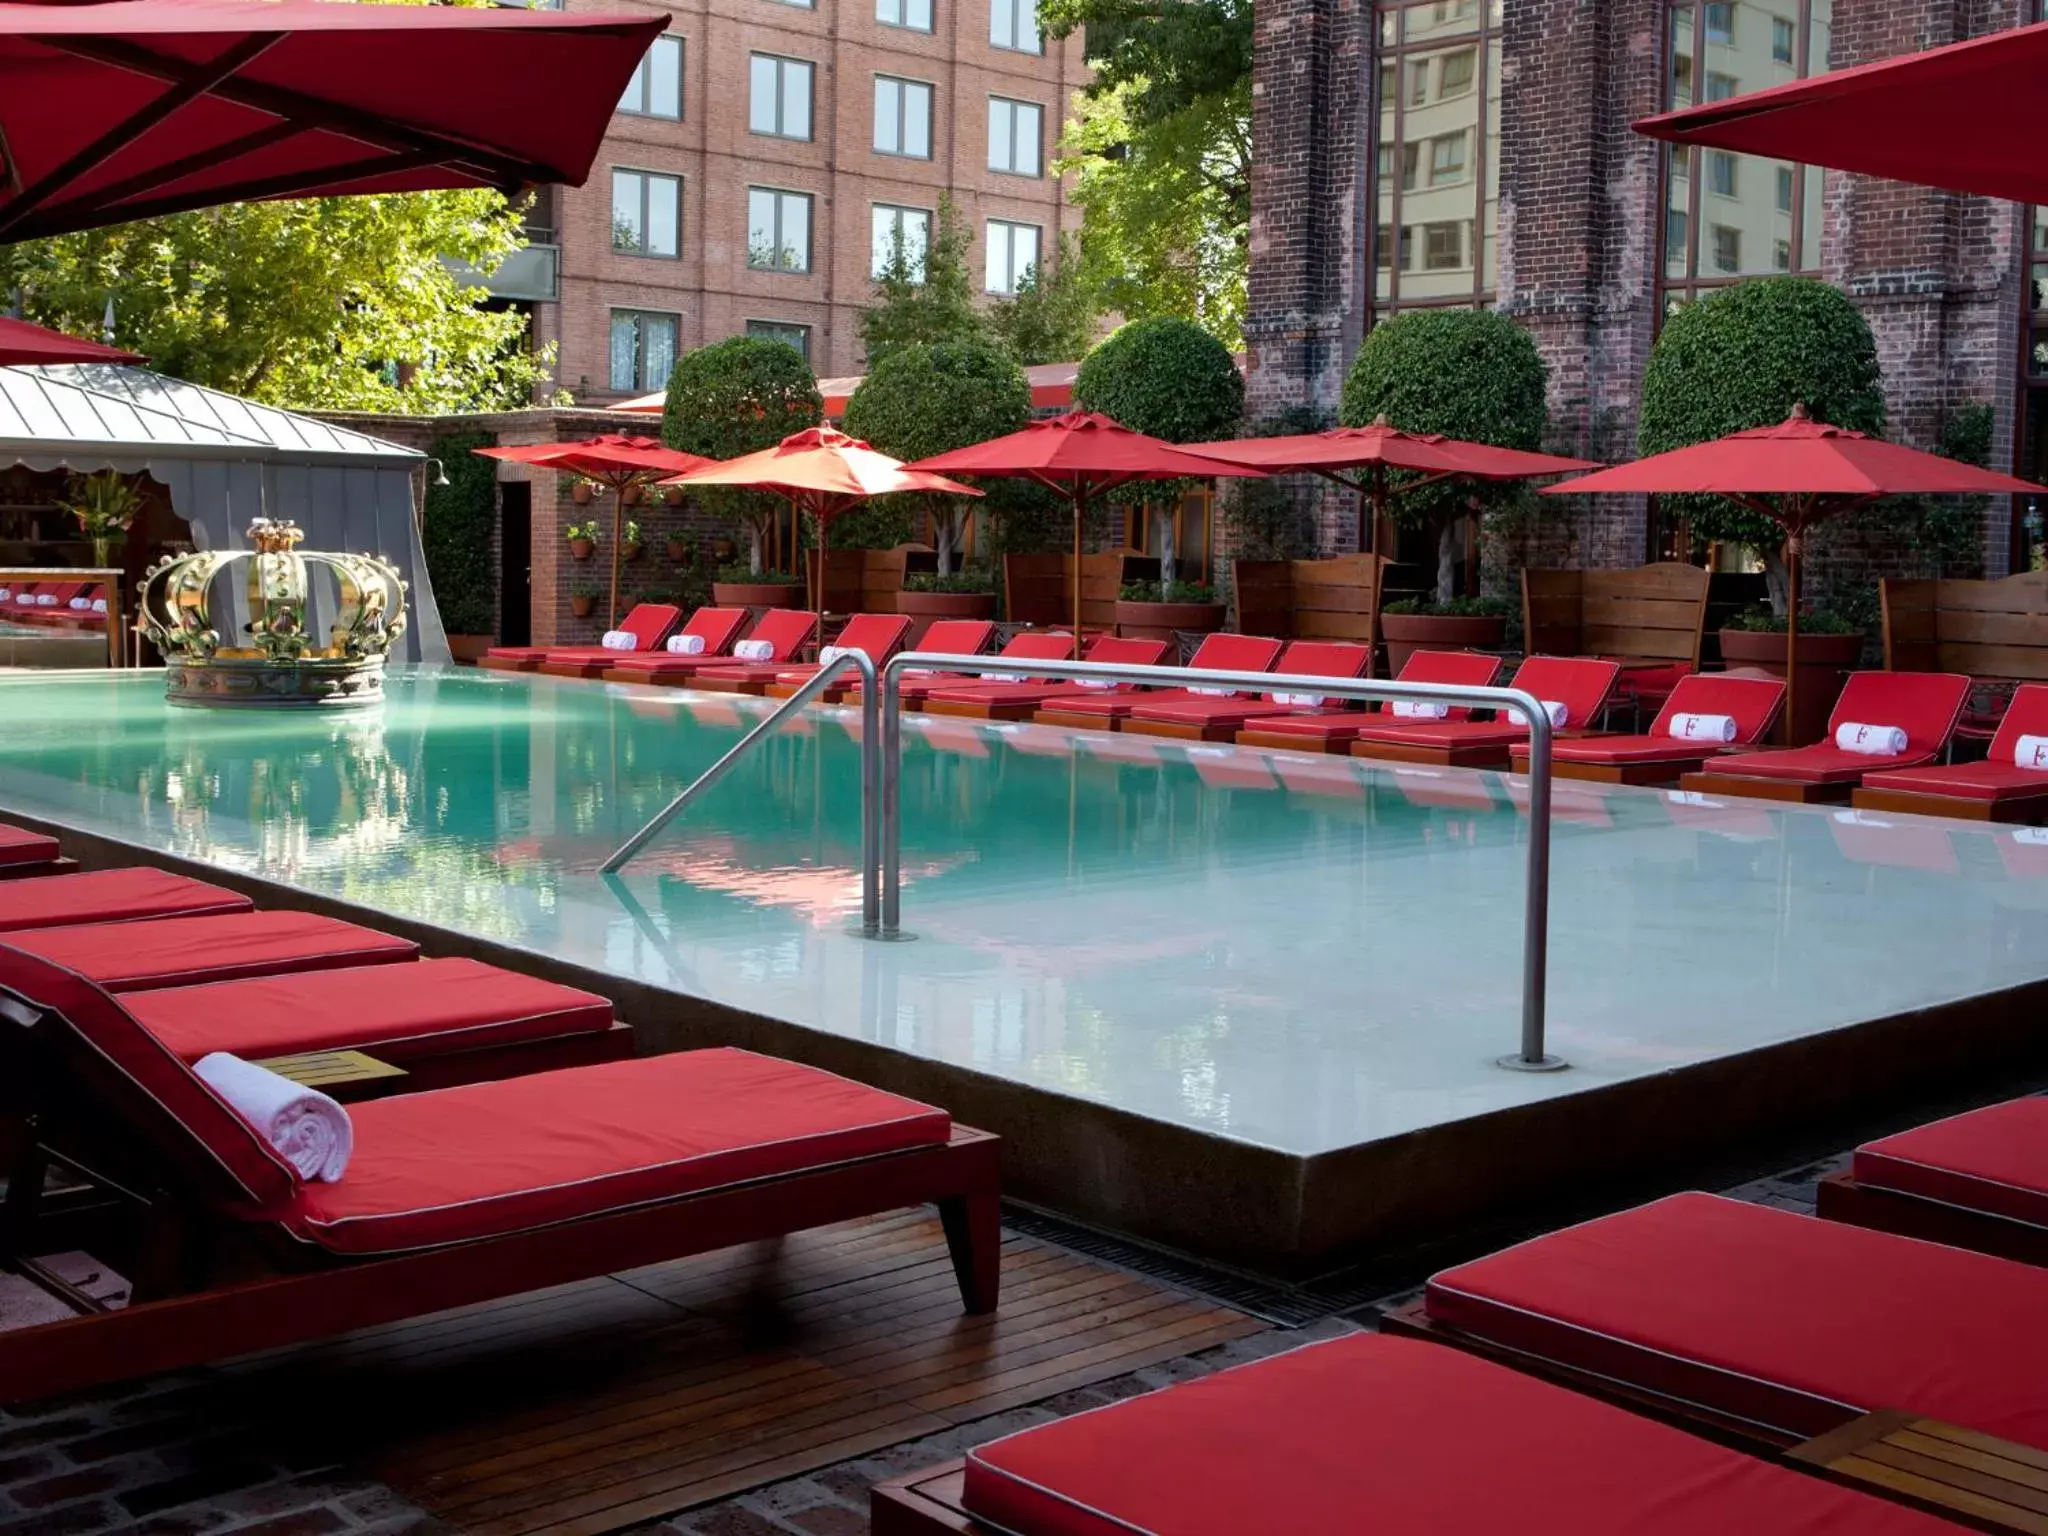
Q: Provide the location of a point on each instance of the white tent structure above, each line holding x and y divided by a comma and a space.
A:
228, 461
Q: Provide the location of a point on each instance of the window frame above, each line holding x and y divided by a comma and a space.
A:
904, 85
1014, 103
810, 199
899, 210
646, 179
931, 8
989, 228
643, 77
783, 63
759, 326
1018, 9
640, 319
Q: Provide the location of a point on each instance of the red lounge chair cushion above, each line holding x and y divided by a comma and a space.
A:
398, 1012
109, 896
491, 1158
1201, 710
1011, 693
1780, 1319
1625, 749
1962, 781
1370, 1434
1319, 725
1993, 1160
18, 845
1821, 763
183, 951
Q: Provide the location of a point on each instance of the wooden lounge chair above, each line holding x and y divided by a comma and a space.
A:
881, 636
1334, 729
649, 624
25, 854
1757, 1322
1661, 755
1031, 645
1371, 1436
1925, 705
452, 1196
2000, 788
878, 635
1106, 710
1019, 699
186, 951
1580, 684
785, 631
1208, 719
1977, 1180
110, 896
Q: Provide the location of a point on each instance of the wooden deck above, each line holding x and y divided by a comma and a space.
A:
602, 1404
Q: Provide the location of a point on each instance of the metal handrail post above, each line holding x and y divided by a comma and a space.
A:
1536, 917
847, 661
870, 803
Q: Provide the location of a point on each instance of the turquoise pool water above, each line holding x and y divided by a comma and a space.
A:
1296, 951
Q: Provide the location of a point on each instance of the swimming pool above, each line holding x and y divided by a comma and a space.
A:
1291, 952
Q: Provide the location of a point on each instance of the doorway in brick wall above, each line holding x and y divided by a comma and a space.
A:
515, 563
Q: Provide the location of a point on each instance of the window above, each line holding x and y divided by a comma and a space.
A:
1418, 82
1383, 244
1781, 255
1013, 24
1720, 87
1013, 136
1727, 249
1781, 40
903, 117
1721, 172
778, 230
656, 89
1443, 246
1721, 23
647, 214
1455, 74
1012, 255
1446, 159
912, 226
798, 336
916, 15
1784, 199
1675, 240
779, 97
643, 349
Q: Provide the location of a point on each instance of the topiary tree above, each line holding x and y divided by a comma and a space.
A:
933, 397
1464, 373
927, 295
1743, 358
738, 396
455, 533
1170, 379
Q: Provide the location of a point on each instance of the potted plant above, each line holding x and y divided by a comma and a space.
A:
672, 494
678, 549
1829, 647
582, 600
631, 495
1413, 624
927, 596
1149, 610
582, 539
629, 545
739, 585
581, 490
105, 506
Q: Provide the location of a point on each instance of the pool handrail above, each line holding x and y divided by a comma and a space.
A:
1519, 701
857, 663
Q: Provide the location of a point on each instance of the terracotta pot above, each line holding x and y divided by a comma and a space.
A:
757, 594
1824, 665
1162, 621
632, 497
1407, 633
673, 495
582, 549
678, 551
470, 649
581, 492
582, 606
630, 551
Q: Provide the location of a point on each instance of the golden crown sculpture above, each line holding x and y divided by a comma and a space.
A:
280, 668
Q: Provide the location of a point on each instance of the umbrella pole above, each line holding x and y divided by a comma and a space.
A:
618, 524
1792, 641
796, 517
1079, 495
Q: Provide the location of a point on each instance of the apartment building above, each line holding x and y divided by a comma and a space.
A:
764, 157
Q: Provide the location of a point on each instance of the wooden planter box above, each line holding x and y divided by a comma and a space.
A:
1162, 621
757, 594
1407, 633
1824, 665
470, 649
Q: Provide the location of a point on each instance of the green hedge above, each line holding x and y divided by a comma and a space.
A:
456, 529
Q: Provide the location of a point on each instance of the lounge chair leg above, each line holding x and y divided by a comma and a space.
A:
974, 1236
27, 1169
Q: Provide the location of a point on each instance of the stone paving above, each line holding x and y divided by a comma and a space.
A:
186, 1454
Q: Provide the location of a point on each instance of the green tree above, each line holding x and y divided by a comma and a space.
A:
1167, 378
934, 397
738, 396
924, 296
342, 303
1054, 315
1743, 358
1465, 373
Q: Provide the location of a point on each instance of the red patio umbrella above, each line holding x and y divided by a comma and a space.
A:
1379, 448
1798, 473
127, 109
1966, 116
822, 471
21, 342
1081, 454
611, 460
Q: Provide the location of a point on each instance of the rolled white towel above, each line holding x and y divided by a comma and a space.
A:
1098, 684
1215, 693
832, 653
754, 650
618, 640
80, 604
2031, 752
99, 605
1558, 713
1299, 700
686, 645
1686, 726
1870, 740
46, 600
6, 594
1411, 709
309, 1130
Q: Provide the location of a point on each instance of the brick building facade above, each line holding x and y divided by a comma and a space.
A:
1506, 130
764, 149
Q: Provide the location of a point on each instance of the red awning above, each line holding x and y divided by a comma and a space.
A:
1967, 116
22, 343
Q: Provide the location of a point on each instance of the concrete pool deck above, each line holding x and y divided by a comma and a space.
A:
1242, 1004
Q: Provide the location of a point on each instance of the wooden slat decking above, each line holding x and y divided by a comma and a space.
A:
602, 1404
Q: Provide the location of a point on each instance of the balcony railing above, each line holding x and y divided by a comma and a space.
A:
533, 272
